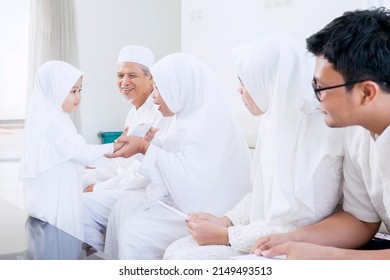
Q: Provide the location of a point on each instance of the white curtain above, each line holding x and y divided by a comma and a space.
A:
52, 37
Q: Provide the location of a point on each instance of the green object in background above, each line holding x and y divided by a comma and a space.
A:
110, 136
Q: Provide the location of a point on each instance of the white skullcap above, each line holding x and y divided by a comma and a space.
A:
137, 54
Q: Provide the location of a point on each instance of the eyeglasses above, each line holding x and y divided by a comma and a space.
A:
317, 90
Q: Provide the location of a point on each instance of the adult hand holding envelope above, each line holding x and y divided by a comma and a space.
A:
137, 141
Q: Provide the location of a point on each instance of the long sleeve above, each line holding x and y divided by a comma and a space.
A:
240, 214
243, 234
93, 155
147, 168
128, 179
242, 237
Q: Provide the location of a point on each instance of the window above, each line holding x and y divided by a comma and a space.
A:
14, 27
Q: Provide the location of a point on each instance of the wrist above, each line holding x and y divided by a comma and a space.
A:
297, 235
144, 147
226, 222
225, 236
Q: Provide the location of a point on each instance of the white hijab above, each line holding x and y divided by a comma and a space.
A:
293, 137
51, 137
208, 168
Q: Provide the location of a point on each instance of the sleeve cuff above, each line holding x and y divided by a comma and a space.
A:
149, 161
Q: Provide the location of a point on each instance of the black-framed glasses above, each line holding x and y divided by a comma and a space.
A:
317, 90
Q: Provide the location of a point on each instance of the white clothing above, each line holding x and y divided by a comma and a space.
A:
143, 233
137, 54
194, 165
55, 153
126, 169
55, 195
112, 183
293, 138
297, 164
99, 203
244, 233
199, 158
367, 175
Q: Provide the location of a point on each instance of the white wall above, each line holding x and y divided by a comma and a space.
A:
103, 27
211, 28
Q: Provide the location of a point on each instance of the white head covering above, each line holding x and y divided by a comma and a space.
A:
208, 168
293, 137
137, 54
51, 137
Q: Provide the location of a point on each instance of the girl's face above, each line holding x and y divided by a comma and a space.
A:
159, 101
248, 101
72, 100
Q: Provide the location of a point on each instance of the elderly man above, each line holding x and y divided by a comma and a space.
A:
136, 85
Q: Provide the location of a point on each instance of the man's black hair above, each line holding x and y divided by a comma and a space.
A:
358, 45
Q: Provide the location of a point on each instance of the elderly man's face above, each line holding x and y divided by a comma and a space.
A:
133, 83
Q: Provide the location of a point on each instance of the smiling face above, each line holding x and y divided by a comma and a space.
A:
338, 106
162, 106
133, 83
72, 100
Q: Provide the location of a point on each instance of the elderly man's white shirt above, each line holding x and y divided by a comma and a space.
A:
123, 173
125, 179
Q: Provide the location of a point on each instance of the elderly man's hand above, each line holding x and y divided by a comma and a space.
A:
132, 145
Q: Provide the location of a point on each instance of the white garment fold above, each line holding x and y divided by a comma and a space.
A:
124, 171
204, 163
54, 152
210, 157
124, 179
297, 166
293, 138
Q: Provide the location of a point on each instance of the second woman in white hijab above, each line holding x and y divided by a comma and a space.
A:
297, 166
203, 165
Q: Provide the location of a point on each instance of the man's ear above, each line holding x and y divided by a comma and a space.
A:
151, 82
370, 90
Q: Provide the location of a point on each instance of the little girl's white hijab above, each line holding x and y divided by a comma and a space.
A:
51, 137
208, 168
293, 137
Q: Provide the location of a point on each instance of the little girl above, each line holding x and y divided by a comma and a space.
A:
55, 154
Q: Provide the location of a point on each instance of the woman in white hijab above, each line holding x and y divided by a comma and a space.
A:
297, 166
55, 154
204, 165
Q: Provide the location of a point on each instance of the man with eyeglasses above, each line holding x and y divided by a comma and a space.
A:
352, 82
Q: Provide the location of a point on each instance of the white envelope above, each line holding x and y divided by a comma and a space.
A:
141, 130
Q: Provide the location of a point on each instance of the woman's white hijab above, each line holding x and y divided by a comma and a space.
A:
293, 138
51, 137
209, 169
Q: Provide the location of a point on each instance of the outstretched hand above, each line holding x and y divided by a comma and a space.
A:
132, 145
118, 143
